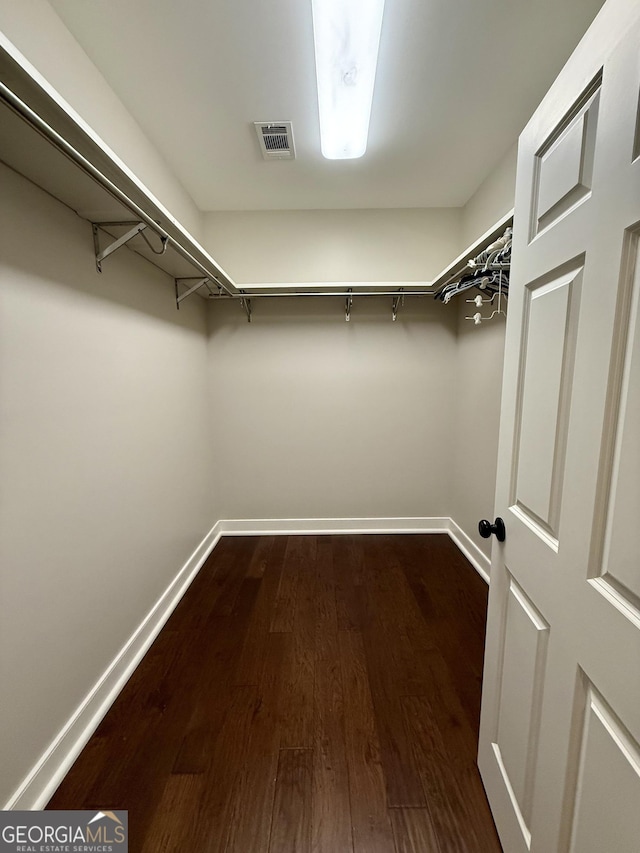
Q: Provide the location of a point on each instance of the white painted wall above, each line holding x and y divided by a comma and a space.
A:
293, 246
493, 198
474, 451
332, 419
479, 360
39, 34
105, 486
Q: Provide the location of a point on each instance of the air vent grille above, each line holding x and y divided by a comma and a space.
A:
276, 140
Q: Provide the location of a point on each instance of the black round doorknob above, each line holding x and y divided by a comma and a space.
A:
485, 528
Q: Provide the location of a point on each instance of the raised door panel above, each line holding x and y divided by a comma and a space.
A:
617, 541
524, 654
550, 324
606, 798
563, 170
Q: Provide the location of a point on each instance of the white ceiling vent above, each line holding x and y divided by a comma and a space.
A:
276, 139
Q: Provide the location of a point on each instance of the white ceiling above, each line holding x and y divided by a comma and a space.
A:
457, 81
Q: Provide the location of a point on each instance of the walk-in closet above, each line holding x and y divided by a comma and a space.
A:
318, 458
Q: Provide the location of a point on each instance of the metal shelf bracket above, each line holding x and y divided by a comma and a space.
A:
199, 282
347, 306
246, 304
101, 254
395, 303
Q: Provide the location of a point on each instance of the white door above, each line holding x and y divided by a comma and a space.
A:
560, 731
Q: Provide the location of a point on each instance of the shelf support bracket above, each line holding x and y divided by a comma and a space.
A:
347, 306
395, 303
200, 282
101, 254
246, 304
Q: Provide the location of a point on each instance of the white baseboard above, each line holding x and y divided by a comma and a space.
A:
319, 526
480, 562
40, 785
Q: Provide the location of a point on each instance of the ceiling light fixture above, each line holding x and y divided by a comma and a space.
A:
346, 34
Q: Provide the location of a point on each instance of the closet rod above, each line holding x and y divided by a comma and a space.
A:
252, 294
27, 114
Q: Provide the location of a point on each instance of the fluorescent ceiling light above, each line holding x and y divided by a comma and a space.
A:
347, 36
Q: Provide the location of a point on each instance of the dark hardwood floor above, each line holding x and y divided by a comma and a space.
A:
309, 693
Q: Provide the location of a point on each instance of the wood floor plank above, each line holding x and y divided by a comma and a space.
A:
477, 806
326, 613
261, 554
331, 805
215, 805
175, 820
370, 819
348, 558
443, 794
285, 604
348, 553
249, 824
218, 644
349, 606
448, 713
386, 613
296, 723
455, 796
242, 557
413, 831
331, 815
252, 657
402, 779
398, 608
291, 826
